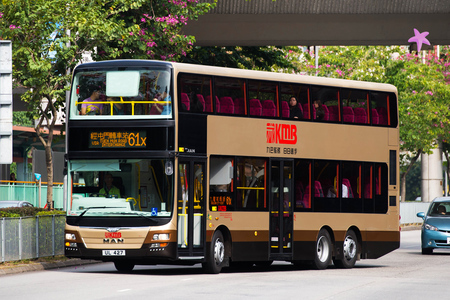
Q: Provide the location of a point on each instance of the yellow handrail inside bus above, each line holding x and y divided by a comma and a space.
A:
111, 103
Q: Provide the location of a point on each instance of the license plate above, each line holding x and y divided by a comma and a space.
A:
448, 240
113, 252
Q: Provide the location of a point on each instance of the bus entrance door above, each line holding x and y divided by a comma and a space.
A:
281, 210
191, 209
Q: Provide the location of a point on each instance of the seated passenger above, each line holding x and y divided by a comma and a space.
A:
195, 104
109, 190
166, 107
320, 113
441, 210
294, 111
332, 192
118, 108
92, 108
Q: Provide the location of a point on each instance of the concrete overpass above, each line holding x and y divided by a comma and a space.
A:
321, 22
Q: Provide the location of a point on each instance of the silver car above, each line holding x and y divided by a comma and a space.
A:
4, 204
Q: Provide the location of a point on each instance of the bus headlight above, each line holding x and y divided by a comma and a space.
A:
70, 236
161, 236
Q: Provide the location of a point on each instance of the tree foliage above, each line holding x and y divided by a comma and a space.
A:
421, 80
269, 58
49, 38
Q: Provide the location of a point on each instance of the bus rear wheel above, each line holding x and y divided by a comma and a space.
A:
322, 257
123, 266
216, 254
350, 251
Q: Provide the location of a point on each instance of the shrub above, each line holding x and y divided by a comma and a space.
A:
15, 212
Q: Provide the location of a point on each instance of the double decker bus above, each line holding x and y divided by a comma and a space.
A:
171, 163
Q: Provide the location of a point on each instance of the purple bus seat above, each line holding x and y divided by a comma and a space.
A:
208, 105
375, 117
284, 109
349, 117
255, 107
185, 100
382, 114
334, 113
326, 113
202, 101
306, 114
269, 109
239, 106
226, 105
360, 115
318, 192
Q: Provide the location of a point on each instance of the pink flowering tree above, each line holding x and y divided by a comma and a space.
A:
153, 31
422, 84
49, 38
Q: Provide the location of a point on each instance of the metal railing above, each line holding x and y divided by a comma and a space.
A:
31, 237
29, 191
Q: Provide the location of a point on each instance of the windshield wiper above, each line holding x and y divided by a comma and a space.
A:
140, 215
93, 207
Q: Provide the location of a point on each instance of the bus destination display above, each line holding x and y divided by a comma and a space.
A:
118, 139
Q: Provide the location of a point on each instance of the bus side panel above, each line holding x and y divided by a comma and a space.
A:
378, 243
250, 245
304, 244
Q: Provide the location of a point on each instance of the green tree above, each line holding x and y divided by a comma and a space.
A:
50, 36
269, 58
422, 88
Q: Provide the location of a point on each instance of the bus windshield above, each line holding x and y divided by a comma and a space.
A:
118, 94
121, 188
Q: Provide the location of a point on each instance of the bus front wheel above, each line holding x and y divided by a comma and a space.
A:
216, 254
350, 251
322, 256
123, 266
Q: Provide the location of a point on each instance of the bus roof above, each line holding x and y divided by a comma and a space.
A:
249, 74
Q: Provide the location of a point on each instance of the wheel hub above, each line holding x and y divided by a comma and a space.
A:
219, 252
349, 248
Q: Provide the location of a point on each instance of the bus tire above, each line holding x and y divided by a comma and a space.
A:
216, 254
350, 250
123, 266
322, 255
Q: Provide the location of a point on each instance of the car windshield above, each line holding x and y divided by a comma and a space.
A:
121, 94
439, 209
139, 188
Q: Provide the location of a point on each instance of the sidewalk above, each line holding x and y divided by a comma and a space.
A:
12, 268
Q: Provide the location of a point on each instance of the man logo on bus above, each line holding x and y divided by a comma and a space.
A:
281, 134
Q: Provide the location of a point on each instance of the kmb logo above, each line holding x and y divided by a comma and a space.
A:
113, 235
281, 134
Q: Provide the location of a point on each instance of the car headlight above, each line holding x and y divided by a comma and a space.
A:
429, 227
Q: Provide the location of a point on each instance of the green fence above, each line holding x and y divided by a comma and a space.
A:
30, 192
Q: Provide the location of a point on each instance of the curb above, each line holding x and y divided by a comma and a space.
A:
46, 266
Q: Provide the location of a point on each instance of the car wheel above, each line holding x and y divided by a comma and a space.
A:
427, 250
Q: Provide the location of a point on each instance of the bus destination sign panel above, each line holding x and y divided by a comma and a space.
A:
118, 139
